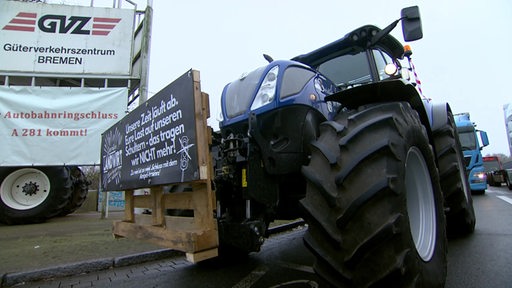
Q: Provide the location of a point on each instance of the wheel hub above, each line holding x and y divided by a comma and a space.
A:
30, 188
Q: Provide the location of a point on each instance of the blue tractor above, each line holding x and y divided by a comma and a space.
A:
343, 138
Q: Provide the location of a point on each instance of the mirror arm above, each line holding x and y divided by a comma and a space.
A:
384, 32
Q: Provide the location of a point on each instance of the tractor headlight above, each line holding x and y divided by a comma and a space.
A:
267, 91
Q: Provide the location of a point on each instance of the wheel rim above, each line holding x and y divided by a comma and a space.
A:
420, 204
25, 189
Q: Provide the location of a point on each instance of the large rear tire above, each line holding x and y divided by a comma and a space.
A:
80, 189
460, 215
32, 195
374, 203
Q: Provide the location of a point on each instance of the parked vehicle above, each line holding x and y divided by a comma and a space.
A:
472, 141
508, 167
496, 174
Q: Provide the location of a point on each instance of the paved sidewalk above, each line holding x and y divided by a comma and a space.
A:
75, 244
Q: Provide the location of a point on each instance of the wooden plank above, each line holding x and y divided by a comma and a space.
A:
186, 241
178, 200
158, 209
206, 133
203, 210
175, 200
206, 104
143, 219
129, 215
174, 223
202, 255
142, 201
201, 114
181, 223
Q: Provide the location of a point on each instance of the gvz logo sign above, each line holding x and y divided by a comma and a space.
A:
62, 24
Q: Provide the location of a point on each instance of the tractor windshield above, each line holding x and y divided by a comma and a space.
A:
347, 70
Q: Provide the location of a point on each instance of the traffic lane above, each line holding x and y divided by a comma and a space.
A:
483, 259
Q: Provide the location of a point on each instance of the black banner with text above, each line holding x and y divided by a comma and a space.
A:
155, 144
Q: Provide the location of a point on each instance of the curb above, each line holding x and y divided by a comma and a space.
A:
10, 279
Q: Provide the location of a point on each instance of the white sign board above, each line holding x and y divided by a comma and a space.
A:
63, 39
55, 126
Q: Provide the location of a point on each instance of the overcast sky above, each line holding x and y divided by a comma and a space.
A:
464, 58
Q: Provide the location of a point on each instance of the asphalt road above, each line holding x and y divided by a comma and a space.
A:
483, 259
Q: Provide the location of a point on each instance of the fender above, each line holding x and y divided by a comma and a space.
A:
439, 114
385, 91
433, 116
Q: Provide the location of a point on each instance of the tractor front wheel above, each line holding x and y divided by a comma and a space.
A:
374, 204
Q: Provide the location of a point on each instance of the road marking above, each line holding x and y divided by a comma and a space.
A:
252, 278
298, 283
297, 267
506, 199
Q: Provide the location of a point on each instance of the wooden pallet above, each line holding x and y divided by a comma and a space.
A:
196, 234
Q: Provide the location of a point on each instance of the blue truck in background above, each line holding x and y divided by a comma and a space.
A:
472, 147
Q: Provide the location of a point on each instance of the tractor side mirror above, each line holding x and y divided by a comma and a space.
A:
411, 23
